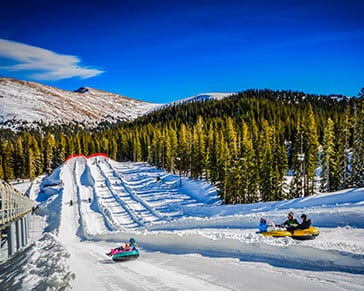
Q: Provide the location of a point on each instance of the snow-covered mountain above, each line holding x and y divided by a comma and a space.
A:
24, 102
204, 96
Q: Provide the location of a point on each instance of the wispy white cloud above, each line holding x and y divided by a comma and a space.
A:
43, 64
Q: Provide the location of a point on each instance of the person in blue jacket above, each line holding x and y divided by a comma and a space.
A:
263, 225
133, 244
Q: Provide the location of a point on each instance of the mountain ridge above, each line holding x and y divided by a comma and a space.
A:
26, 103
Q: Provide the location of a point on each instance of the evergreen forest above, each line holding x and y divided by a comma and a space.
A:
256, 145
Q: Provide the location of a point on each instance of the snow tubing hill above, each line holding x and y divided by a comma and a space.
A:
125, 256
300, 234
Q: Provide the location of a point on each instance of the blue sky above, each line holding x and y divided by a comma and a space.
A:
160, 51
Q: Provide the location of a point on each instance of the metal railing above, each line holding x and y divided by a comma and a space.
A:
13, 204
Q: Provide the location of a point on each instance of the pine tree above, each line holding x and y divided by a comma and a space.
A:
7, 149
34, 157
280, 169
344, 151
50, 143
37, 161
197, 150
1, 167
266, 165
248, 187
83, 144
231, 137
60, 152
70, 149
329, 167
183, 150
156, 148
358, 146
76, 144
171, 151
19, 161
298, 163
32, 172
104, 143
223, 168
311, 144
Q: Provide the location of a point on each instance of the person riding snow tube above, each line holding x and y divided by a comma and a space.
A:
133, 244
263, 225
128, 252
301, 231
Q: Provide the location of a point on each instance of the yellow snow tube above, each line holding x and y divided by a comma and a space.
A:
301, 234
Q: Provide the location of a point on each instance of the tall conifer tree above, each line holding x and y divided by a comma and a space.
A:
50, 144
358, 145
311, 144
329, 167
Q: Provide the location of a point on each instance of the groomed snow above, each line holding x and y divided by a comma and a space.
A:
188, 239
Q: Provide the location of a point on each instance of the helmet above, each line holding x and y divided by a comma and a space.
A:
304, 216
290, 214
132, 240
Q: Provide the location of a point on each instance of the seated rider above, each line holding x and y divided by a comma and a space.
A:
127, 247
115, 251
291, 223
306, 223
263, 225
133, 244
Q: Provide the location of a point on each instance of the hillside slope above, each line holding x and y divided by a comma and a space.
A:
25, 102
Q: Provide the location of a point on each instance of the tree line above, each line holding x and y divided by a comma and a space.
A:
257, 145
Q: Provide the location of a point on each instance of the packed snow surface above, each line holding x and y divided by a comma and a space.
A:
188, 240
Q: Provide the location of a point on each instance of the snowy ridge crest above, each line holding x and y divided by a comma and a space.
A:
23, 103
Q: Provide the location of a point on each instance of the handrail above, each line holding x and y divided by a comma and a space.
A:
13, 204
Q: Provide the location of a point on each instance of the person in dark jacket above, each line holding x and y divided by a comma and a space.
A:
306, 223
291, 223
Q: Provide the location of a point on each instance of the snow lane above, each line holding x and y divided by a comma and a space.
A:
103, 274
137, 208
161, 196
92, 220
115, 211
148, 213
159, 271
69, 213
